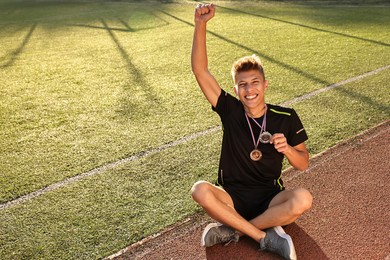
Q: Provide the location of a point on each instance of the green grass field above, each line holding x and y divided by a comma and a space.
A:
87, 83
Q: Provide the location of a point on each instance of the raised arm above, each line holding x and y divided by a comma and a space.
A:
199, 63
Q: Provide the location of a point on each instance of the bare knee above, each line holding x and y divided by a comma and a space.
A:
199, 192
302, 201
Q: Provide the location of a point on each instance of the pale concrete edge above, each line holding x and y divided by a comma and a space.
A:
197, 220
339, 148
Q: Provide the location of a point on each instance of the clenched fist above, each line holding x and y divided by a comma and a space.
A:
204, 12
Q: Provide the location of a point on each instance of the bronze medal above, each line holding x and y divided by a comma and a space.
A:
256, 155
264, 136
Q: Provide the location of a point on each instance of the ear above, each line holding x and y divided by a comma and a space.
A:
235, 88
265, 85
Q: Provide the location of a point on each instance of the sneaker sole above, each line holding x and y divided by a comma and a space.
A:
279, 230
206, 230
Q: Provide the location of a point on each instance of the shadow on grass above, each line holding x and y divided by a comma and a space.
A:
12, 56
264, 56
129, 106
100, 27
354, 95
3, 26
125, 24
307, 26
127, 27
365, 99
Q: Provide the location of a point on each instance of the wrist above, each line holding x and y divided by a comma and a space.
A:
288, 151
200, 23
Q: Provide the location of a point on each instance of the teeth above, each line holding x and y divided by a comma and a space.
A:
251, 97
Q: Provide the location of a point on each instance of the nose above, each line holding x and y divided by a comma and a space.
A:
249, 86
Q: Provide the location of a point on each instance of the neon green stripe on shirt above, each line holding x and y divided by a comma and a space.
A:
280, 112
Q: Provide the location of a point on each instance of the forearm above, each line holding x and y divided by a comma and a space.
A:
199, 61
299, 159
297, 155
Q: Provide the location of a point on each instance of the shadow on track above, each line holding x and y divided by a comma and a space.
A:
306, 248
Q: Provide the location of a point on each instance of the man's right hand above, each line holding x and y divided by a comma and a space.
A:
204, 12
199, 63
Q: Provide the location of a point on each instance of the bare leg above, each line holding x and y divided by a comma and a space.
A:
219, 205
284, 208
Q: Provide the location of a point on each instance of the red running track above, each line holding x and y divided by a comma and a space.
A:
350, 218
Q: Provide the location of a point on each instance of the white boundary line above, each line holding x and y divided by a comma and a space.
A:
316, 92
332, 154
163, 147
106, 167
329, 154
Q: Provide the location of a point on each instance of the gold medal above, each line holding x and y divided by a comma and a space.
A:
256, 155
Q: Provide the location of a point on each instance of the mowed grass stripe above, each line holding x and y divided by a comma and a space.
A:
180, 141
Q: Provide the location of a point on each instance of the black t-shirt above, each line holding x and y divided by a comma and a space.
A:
235, 167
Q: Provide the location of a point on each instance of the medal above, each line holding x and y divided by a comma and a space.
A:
256, 155
264, 136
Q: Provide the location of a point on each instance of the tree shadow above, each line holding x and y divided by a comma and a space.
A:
13, 55
125, 24
129, 105
263, 55
16, 28
3, 26
307, 26
306, 248
126, 28
309, 76
100, 27
365, 99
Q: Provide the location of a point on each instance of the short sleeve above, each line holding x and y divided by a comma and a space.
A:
297, 133
225, 104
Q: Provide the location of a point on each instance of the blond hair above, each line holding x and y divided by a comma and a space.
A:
247, 63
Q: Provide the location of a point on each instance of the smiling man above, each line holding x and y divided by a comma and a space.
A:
249, 197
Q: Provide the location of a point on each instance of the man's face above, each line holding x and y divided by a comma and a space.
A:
250, 88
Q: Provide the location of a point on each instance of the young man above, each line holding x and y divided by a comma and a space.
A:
256, 136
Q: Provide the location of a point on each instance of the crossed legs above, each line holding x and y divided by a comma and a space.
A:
284, 209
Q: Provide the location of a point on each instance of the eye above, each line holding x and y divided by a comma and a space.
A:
241, 85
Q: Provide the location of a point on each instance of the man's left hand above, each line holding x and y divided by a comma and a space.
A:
280, 143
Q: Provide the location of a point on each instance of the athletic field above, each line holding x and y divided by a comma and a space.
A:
103, 129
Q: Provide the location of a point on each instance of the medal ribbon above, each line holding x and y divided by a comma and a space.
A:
262, 128
264, 123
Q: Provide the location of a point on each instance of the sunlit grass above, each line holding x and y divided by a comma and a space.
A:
88, 83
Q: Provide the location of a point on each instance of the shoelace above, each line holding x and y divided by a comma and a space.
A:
232, 238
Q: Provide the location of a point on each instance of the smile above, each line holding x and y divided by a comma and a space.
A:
251, 97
